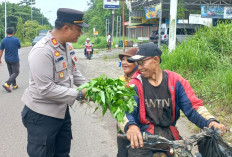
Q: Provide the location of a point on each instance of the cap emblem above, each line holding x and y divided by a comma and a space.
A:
137, 57
78, 21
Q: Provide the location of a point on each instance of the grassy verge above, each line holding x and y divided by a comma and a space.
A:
206, 61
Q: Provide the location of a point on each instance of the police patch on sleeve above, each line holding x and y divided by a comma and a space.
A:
64, 65
70, 47
54, 41
61, 75
57, 54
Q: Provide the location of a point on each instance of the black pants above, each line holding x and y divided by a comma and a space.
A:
13, 69
47, 136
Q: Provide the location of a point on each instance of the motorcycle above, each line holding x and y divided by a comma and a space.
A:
88, 51
209, 142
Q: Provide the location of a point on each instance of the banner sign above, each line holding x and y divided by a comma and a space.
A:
217, 12
153, 12
110, 4
135, 21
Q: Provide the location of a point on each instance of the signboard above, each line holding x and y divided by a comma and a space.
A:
110, 4
228, 12
153, 12
217, 12
95, 33
135, 21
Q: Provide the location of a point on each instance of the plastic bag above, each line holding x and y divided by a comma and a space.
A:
213, 145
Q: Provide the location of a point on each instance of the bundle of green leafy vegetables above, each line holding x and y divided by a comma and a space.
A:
110, 94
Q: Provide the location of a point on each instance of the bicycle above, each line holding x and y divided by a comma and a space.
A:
183, 148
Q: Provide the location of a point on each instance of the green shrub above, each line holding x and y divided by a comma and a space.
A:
206, 61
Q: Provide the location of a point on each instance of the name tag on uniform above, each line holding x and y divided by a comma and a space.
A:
72, 53
59, 59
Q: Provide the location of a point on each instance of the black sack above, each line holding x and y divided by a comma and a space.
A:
213, 145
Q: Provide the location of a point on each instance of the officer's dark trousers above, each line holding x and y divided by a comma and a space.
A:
47, 136
13, 69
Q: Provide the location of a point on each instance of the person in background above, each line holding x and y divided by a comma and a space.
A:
52, 62
88, 44
128, 69
11, 45
161, 96
108, 41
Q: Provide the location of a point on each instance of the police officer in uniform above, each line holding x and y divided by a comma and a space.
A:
53, 72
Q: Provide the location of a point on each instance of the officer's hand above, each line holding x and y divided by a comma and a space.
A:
0, 62
134, 135
218, 126
84, 92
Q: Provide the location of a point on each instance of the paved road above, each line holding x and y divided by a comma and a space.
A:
93, 135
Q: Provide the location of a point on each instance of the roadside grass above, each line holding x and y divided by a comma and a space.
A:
205, 61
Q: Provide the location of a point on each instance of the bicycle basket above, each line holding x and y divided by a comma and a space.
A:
213, 145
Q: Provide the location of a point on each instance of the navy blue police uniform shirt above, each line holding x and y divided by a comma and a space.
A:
11, 46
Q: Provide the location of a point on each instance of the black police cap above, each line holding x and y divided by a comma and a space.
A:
71, 16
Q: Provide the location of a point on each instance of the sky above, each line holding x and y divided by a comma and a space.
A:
50, 7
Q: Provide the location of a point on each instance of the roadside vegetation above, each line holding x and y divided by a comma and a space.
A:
19, 18
206, 61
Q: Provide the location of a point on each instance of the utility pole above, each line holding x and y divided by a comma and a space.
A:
5, 19
29, 2
123, 29
107, 26
160, 23
110, 30
31, 14
172, 25
112, 33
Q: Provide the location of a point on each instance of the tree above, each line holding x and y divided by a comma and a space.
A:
181, 9
17, 11
31, 30
96, 16
20, 30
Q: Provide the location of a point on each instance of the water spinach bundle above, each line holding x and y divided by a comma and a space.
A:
110, 94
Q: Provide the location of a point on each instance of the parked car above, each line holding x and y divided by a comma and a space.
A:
36, 39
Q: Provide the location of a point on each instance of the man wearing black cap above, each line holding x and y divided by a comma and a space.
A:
161, 95
53, 72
